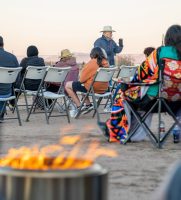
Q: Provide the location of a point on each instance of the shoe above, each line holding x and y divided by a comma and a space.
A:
73, 113
84, 107
87, 109
107, 109
103, 127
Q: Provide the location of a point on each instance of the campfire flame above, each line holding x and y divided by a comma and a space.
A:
70, 153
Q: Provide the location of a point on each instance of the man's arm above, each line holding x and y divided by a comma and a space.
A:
117, 49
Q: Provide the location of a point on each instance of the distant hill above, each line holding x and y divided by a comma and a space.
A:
84, 57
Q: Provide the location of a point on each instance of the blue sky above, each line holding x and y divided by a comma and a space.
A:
56, 24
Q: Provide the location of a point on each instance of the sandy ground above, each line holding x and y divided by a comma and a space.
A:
135, 173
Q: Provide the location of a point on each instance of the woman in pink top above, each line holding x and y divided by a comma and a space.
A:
66, 60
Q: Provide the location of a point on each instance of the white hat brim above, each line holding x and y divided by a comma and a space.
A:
107, 31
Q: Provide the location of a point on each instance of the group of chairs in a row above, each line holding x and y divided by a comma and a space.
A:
48, 75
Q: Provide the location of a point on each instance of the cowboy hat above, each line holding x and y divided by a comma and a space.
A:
65, 53
107, 29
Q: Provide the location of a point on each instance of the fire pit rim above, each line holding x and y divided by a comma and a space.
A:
95, 169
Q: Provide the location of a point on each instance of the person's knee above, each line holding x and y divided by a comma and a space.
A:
68, 85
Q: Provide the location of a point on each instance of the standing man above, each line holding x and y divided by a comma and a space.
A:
108, 44
6, 60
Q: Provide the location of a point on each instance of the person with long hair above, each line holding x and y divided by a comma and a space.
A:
116, 128
98, 59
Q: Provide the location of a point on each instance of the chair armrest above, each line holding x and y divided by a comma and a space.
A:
118, 80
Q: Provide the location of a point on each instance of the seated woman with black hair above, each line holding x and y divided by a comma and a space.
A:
98, 59
116, 128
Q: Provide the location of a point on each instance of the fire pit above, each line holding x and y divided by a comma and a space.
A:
64, 171
84, 184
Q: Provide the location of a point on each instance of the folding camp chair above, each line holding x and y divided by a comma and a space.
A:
56, 75
9, 76
102, 75
156, 105
32, 73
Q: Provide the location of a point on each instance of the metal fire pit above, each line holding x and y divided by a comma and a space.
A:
84, 184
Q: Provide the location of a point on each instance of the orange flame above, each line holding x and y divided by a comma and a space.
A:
69, 154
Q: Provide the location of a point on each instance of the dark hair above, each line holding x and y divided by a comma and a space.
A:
32, 51
173, 37
98, 54
1, 41
147, 51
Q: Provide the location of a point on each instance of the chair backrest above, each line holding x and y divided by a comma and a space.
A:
9, 75
105, 74
171, 88
35, 72
127, 71
56, 74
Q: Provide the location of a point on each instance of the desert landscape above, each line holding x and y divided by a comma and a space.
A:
136, 173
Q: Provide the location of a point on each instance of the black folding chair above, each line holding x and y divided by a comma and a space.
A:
159, 105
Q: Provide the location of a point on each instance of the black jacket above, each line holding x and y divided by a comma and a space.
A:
30, 84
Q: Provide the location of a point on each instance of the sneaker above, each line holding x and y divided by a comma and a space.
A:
108, 108
87, 109
73, 113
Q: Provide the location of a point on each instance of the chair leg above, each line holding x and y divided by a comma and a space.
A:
52, 107
31, 109
141, 122
82, 103
45, 110
66, 109
98, 104
26, 102
17, 111
95, 106
159, 121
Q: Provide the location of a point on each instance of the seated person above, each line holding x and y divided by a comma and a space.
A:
6, 60
98, 59
117, 127
32, 59
66, 60
148, 50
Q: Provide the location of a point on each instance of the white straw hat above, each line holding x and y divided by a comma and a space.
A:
107, 29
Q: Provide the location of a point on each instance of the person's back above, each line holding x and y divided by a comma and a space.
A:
69, 62
6, 60
88, 73
32, 59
